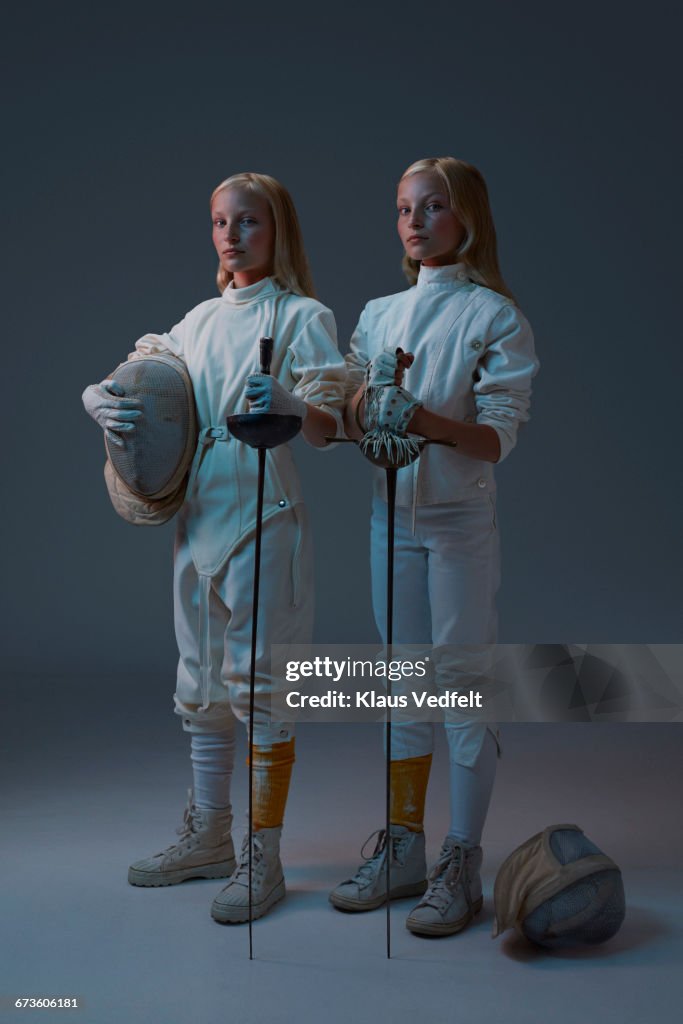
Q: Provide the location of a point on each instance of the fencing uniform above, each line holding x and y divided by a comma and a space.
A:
474, 360
213, 568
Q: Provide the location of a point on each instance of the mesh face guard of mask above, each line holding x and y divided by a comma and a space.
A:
559, 890
147, 476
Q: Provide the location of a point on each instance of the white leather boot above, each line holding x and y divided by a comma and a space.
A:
231, 906
454, 894
367, 890
204, 850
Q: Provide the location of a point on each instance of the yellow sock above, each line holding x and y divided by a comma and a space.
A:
409, 779
272, 772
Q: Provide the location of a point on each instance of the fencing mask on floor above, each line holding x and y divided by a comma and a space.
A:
146, 477
560, 890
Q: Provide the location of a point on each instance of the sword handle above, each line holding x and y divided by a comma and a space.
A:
265, 354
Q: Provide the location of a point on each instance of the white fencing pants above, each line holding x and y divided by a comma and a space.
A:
446, 576
286, 605
470, 793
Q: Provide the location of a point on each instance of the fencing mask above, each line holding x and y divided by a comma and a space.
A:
560, 890
146, 477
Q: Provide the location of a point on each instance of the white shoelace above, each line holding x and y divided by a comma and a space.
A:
242, 870
368, 871
188, 828
444, 879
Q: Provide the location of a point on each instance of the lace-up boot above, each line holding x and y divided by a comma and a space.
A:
204, 850
454, 893
367, 890
231, 906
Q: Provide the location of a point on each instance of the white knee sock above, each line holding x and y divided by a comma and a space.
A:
471, 794
213, 756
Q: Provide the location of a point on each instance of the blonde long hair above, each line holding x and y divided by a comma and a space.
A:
290, 263
469, 200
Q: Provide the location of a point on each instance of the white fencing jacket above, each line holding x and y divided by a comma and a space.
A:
218, 341
474, 361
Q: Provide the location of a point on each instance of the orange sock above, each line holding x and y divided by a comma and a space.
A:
409, 779
272, 772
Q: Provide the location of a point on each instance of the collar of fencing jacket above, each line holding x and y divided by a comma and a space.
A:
263, 289
454, 274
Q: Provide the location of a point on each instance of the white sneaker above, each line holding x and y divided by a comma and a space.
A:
231, 906
454, 895
204, 850
367, 890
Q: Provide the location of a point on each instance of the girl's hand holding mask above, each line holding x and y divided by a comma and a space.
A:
106, 403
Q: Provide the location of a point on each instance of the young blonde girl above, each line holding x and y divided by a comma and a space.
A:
266, 290
471, 359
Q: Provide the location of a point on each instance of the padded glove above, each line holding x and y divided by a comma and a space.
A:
390, 408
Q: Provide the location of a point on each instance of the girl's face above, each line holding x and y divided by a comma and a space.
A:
243, 234
428, 228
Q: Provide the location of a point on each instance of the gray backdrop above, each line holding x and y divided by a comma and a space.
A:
119, 124
122, 122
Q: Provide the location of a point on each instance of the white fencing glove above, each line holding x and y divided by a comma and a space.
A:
114, 413
382, 369
388, 367
265, 394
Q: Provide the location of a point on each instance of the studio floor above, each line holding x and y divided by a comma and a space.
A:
95, 775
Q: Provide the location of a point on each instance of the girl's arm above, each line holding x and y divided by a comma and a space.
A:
318, 425
502, 385
320, 376
354, 412
502, 390
172, 341
356, 361
477, 440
